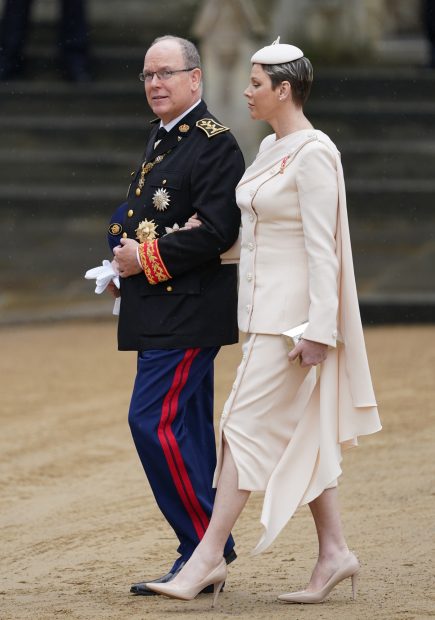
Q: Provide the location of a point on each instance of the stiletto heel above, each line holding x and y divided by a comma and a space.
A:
217, 588
349, 568
354, 579
215, 578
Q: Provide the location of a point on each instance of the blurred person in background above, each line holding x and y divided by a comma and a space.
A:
72, 45
429, 26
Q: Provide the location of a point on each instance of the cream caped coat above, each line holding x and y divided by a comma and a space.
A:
296, 265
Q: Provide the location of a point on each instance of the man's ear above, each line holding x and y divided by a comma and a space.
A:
195, 77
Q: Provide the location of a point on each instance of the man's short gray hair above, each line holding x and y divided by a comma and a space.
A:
298, 72
190, 53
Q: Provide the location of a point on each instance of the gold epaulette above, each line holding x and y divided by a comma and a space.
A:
211, 127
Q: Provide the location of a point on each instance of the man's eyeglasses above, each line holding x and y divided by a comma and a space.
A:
164, 75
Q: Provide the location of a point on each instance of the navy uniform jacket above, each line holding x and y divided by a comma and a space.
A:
184, 297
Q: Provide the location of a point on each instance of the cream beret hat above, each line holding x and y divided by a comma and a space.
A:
276, 54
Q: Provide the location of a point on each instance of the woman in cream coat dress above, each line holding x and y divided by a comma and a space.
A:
290, 415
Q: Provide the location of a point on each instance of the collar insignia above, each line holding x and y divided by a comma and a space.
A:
211, 127
184, 128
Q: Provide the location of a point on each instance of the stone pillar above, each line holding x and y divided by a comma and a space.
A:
229, 32
329, 30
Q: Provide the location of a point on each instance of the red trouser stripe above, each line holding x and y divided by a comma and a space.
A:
172, 451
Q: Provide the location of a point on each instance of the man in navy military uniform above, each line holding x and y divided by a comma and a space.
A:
178, 299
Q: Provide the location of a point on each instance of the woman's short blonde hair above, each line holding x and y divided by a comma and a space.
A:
298, 72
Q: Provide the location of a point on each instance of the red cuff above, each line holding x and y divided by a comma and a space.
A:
152, 263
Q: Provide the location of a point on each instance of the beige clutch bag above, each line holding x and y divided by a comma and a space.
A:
293, 335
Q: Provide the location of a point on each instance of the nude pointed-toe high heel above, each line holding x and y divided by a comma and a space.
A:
349, 568
215, 578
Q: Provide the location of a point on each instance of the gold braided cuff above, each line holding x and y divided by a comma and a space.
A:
152, 263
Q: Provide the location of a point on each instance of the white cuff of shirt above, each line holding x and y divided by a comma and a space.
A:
138, 258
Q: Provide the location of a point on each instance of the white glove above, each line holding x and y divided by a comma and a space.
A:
103, 275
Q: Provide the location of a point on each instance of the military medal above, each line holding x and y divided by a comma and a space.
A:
147, 167
161, 199
146, 231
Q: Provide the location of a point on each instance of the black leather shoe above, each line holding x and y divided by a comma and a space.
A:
141, 589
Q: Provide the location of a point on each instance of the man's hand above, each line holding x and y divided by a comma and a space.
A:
310, 353
126, 257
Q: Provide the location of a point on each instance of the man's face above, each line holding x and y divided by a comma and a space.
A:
170, 98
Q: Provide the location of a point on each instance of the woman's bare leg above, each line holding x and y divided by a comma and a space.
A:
332, 544
228, 505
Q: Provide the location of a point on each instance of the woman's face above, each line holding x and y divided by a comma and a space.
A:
263, 102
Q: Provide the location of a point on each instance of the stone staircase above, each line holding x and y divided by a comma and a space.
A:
383, 122
66, 152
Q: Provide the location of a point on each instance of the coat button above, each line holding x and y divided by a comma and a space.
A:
250, 247
169, 288
130, 212
164, 182
251, 218
248, 308
124, 234
249, 276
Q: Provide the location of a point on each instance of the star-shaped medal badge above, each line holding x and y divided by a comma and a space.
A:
161, 199
146, 231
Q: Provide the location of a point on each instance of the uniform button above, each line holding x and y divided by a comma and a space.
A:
251, 218
249, 276
124, 234
334, 333
130, 212
132, 173
164, 182
244, 356
234, 387
252, 192
248, 308
250, 247
169, 289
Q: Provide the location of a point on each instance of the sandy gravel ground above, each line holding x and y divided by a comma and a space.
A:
78, 522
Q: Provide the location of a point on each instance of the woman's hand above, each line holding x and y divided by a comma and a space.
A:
310, 353
192, 222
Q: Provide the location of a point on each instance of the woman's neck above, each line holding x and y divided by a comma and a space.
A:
287, 123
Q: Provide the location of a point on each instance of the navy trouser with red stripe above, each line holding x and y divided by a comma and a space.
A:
171, 420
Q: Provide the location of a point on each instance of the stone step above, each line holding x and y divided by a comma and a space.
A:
69, 167
398, 84
389, 159
369, 159
408, 201
45, 98
86, 131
